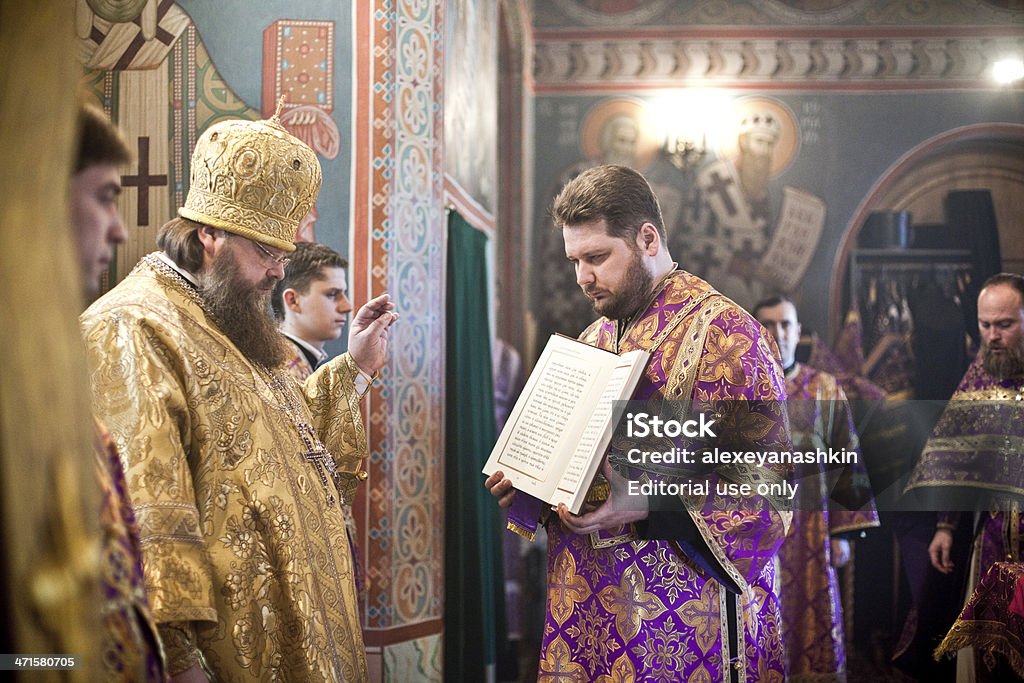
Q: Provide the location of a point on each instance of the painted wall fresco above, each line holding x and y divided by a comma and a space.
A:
300, 49
755, 221
818, 100
875, 101
375, 119
471, 99
163, 87
398, 236
177, 68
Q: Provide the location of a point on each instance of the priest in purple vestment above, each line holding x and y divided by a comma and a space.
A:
676, 588
831, 504
972, 462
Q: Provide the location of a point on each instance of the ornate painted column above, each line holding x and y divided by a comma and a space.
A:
397, 247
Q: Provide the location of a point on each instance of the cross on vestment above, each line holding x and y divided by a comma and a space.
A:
705, 261
720, 186
144, 181
321, 459
745, 261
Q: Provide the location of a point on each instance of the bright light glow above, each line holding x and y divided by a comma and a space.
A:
1009, 70
696, 115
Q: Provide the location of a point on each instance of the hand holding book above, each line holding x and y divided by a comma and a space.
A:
620, 508
559, 430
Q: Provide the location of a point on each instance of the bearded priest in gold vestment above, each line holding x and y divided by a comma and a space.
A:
239, 475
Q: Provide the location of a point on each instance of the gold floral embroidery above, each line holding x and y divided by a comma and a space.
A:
756, 603
566, 587
631, 603
622, 672
557, 665
645, 331
700, 675
724, 357
702, 615
664, 652
590, 633
232, 532
671, 573
744, 423
766, 675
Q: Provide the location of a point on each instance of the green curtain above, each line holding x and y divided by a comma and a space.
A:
474, 611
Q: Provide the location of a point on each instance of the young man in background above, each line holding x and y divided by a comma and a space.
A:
312, 304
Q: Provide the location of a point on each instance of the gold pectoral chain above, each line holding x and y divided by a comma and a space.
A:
316, 453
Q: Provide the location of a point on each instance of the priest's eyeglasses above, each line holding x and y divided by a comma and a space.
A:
282, 259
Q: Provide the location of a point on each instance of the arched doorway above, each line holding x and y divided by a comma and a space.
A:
981, 157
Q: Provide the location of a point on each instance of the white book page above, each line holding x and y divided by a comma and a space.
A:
596, 427
550, 418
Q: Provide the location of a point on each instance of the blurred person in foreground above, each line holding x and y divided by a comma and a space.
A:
131, 648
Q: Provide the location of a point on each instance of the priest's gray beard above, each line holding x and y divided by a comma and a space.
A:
242, 311
1006, 365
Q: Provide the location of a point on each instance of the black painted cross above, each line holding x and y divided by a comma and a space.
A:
143, 181
720, 186
703, 262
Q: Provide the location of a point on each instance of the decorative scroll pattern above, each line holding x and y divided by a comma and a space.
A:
632, 13
405, 246
796, 62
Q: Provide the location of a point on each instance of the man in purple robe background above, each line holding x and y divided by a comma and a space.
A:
972, 462
683, 590
831, 504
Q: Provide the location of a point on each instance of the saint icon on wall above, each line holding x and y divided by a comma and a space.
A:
733, 236
616, 130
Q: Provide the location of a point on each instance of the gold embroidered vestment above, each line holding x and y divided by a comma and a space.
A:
237, 527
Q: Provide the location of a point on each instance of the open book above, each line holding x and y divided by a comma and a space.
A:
558, 431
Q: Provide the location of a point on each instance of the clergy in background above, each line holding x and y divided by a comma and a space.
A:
972, 462
830, 505
311, 302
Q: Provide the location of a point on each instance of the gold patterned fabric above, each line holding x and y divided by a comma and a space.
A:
991, 623
242, 532
254, 179
296, 363
131, 647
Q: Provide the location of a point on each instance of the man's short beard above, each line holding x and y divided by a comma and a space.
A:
634, 292
242, 311
1006, 365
